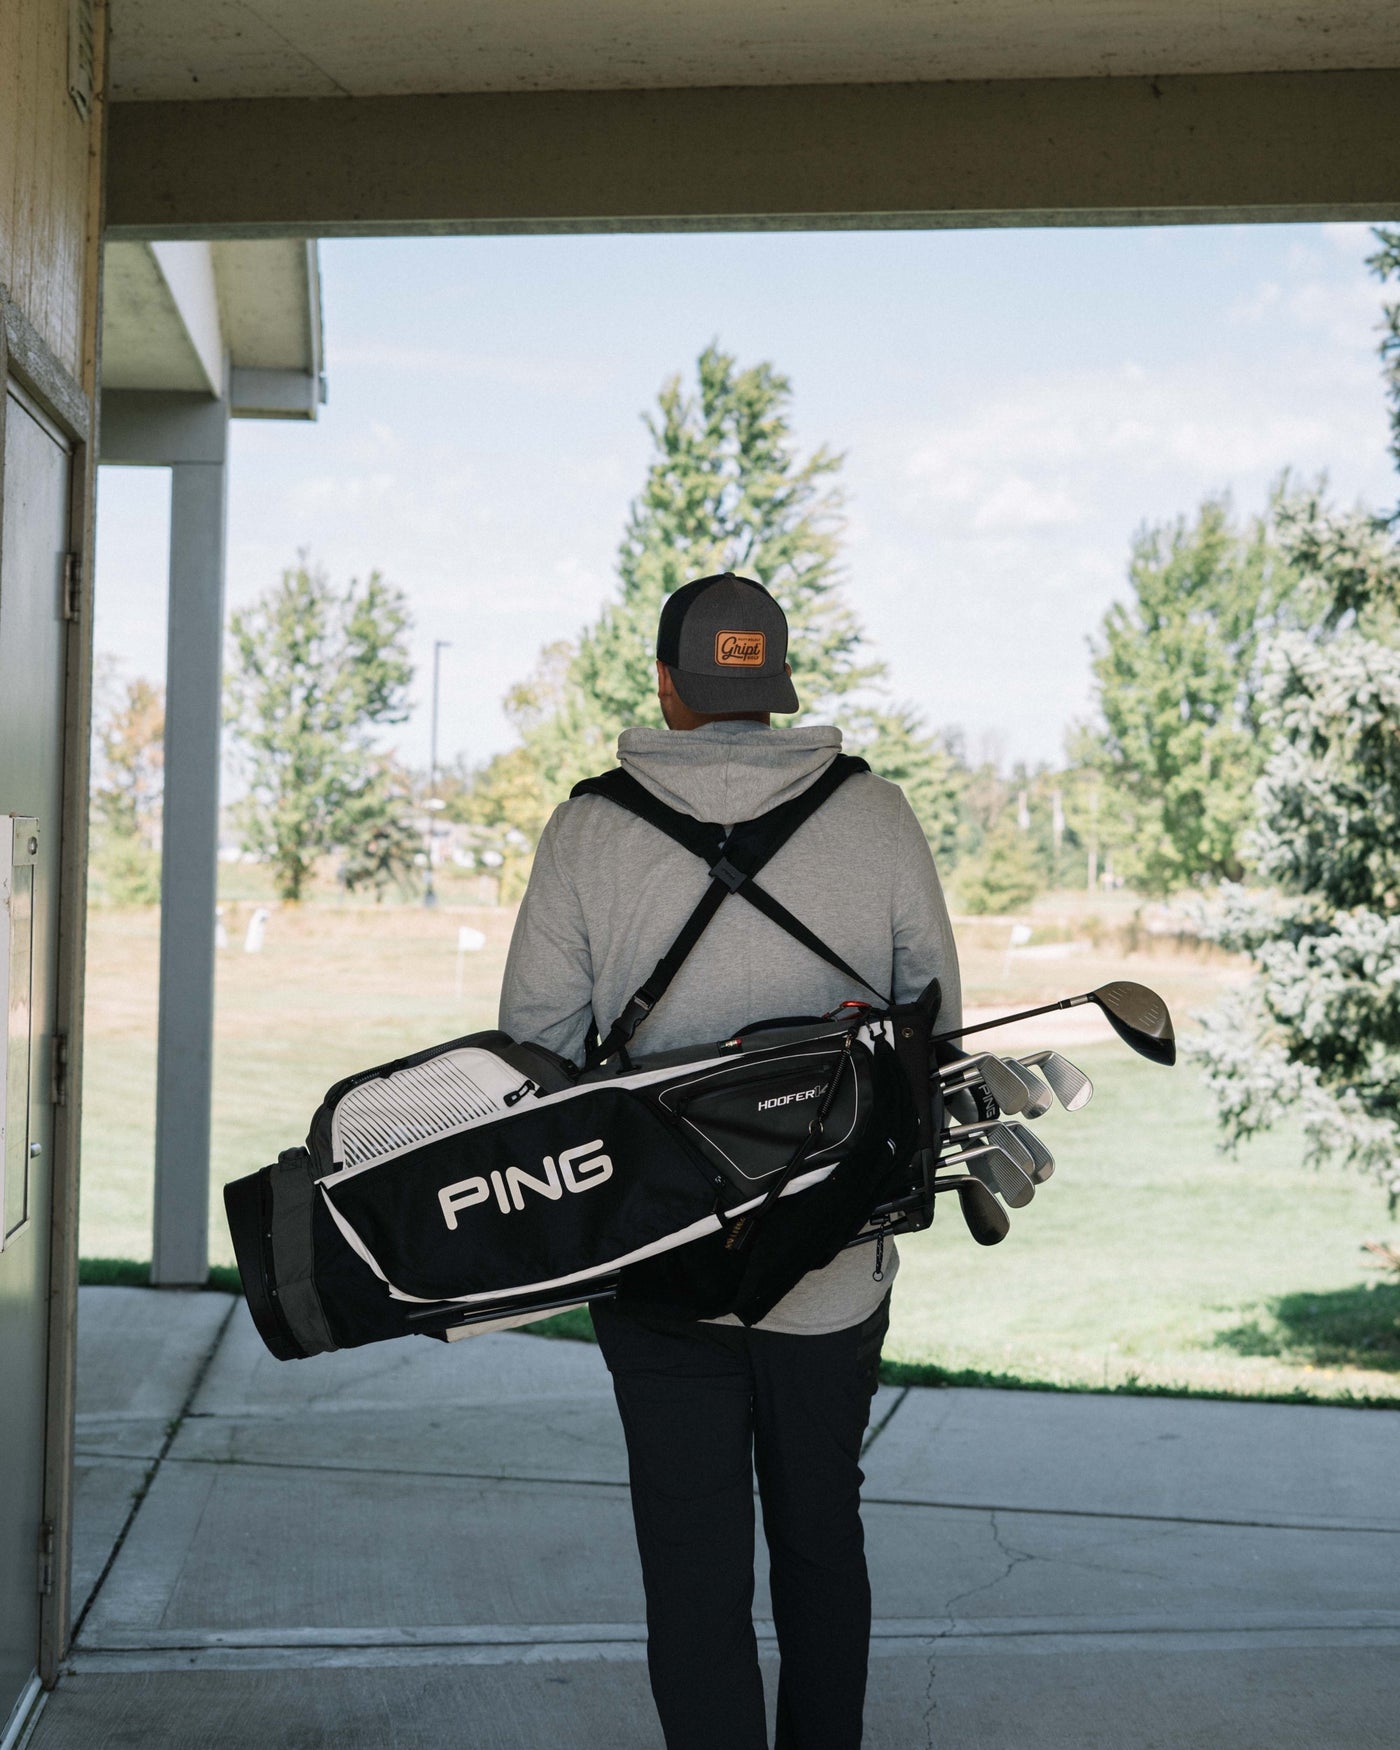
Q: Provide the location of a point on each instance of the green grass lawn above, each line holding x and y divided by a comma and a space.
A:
1147, 1258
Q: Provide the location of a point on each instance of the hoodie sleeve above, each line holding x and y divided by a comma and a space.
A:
923, 935
547, 989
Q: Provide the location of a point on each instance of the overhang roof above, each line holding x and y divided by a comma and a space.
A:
173, 312
205, 49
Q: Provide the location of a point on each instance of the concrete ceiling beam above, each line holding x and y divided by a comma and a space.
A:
1054, 151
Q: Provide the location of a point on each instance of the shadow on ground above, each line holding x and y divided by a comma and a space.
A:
1343, 1327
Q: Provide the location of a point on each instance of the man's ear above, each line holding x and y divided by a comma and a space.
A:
664, 688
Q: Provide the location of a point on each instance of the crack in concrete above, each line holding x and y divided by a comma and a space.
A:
930, 1701
1015, 1558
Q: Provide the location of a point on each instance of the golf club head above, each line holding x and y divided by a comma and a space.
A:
1071, 1086
997, 1170
1041, 1098
1043, 1162
1003, 1078
990, 1133
987, 1221
1139, 1017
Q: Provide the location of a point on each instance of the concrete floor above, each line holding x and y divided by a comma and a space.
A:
429, 1548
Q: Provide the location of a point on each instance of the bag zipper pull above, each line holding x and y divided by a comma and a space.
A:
878, 1273
516, 1095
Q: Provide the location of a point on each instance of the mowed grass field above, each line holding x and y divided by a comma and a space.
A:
1147, 1259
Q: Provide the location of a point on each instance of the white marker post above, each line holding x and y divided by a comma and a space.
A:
469, 941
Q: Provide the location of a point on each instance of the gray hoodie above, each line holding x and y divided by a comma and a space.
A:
608, 893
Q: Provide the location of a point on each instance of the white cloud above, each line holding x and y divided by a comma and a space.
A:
1018, 503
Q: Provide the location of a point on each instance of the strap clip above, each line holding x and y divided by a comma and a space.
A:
731, 877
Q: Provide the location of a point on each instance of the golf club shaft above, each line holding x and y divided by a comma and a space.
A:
1005, 1020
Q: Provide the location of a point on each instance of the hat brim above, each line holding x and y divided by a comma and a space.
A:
711, 693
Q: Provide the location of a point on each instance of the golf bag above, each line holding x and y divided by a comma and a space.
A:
485, 1182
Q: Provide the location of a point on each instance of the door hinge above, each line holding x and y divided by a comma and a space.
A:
58, 1071
72, 585
46, 1547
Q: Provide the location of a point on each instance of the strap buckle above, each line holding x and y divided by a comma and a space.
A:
725, 872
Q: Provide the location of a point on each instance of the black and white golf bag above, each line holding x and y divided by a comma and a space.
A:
485, 1182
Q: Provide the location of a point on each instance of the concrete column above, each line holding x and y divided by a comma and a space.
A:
189, 870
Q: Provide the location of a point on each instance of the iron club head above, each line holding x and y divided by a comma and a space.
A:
1072, 1087
987, 1221
1004, 1079
1041, 1098
997, 1168
1043, 1162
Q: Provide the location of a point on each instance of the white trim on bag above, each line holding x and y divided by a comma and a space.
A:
682, 1236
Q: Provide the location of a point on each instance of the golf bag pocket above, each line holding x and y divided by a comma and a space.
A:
747, 1118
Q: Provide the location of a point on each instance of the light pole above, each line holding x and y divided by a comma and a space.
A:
439, 645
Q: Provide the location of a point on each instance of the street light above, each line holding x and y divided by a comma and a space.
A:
433, 802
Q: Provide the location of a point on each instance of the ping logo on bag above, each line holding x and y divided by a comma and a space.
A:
788, 1099
581, 1168
740, 649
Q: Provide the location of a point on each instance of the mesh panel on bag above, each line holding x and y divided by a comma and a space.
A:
378, 1119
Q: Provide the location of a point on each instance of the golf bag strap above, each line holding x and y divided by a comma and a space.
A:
734, 859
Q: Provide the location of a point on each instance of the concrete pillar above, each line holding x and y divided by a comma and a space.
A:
189, 870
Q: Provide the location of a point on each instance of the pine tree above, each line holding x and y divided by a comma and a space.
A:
1317, 1033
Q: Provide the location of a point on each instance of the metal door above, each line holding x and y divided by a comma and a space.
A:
33, 543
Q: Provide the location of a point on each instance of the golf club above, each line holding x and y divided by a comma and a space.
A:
1073, 1089
1044, 1161
1136, 1014
1003, 1078
986, 1220
999, 1169
989, 1132
1041, 1100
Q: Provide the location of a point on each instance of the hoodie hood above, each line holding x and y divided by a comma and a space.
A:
727, 772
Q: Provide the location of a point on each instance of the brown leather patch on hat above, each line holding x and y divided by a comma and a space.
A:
740, 649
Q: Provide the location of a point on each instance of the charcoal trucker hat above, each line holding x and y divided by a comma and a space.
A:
724, 640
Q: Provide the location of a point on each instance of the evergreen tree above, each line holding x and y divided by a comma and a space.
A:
1317, 1032
1003, 877
317, 670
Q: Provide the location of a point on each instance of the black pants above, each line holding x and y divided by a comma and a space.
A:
702, 1407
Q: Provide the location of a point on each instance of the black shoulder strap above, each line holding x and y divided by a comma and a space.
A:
734, 859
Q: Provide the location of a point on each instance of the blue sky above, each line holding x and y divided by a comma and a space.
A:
1012, 405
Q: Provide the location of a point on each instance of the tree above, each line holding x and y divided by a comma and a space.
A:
127, 787
1177, 671
379, 836
726, 489
1317, 1032
1003, 876
130, 775
928, 767
317, 671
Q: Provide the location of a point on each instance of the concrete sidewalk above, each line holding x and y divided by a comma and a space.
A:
427, 1547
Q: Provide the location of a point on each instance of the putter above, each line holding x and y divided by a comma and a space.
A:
1073, 1089
1136, 1014
1004, 1079
1044, 1161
